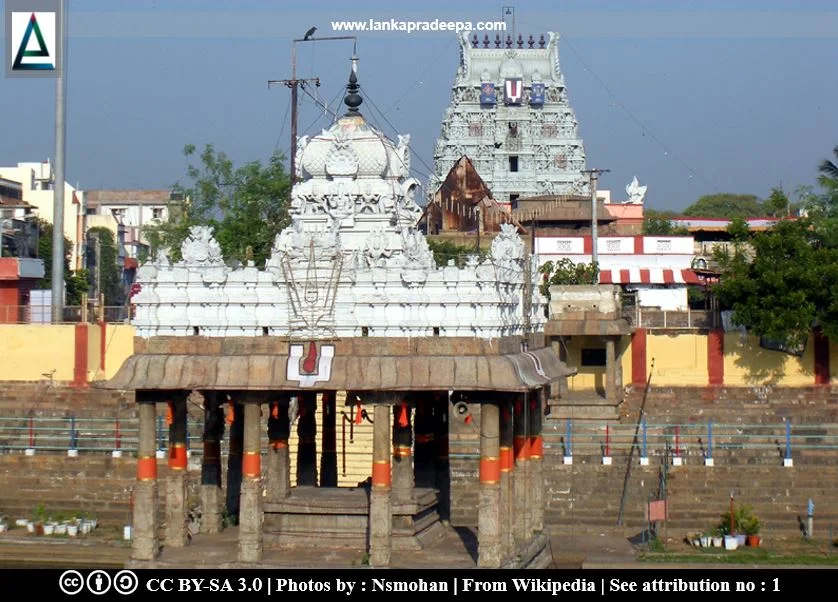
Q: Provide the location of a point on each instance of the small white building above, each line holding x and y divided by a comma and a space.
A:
656, 267
127, 213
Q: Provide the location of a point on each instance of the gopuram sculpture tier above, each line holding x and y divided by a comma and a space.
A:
511, 116
352, 263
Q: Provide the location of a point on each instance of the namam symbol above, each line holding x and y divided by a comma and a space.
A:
315, 367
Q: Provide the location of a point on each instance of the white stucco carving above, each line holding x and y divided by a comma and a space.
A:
635, 192
352, 262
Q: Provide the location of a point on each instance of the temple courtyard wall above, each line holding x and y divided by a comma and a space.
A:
581, 497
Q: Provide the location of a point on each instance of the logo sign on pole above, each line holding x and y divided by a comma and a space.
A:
657, 511
33, 48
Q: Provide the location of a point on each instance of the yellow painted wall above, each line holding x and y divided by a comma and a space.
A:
32, 350
119, 346
94, 353
680, 359
587, 378
747, 364
358, 448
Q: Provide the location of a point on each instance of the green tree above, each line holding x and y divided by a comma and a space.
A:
75, 283
565, 272
789, 286
246, 205
109, 278
829, 174
777, 204
445, 250
725, 205
659, 223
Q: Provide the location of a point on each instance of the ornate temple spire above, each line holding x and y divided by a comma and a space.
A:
353, 99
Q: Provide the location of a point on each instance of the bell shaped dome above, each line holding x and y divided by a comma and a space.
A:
350, 148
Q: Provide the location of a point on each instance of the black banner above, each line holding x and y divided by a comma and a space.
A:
371, 583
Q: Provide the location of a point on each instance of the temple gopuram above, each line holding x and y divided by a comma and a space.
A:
350, 306
511, 116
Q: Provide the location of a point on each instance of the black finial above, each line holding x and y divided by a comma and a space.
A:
485, 40
541, 41
352, 99
509, 41
497, 40
531, 42
520, 41
474, 41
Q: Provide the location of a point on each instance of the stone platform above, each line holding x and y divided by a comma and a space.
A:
339, 518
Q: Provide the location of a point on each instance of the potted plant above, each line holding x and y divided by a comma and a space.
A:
704, 539
751, 525
717, 537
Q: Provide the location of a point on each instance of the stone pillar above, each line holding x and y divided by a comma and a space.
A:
443, 472
507, 463
250, 516
423, 426
176, 481
307, 440
520, 479
381, 515
211, 464
278, 474
561, 352
329, 446
235, 418
489, 552
536, 461
402, 456
145, 544
610, 369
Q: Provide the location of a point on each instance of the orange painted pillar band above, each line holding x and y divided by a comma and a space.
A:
522, 447
177, 456
537, 447
489, 471
252, 465
147, 468
279, 443
506, 459
381, 476
401, 451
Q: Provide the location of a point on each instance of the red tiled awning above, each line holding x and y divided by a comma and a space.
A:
649, 276
131, 263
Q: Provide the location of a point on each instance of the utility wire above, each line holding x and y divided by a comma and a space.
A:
645, 130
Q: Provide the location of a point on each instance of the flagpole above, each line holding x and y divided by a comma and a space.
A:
58, 186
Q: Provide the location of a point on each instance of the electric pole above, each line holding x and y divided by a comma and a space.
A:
57, 278
593, 174
294, 84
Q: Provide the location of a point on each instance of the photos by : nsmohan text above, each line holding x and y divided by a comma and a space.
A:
458, 585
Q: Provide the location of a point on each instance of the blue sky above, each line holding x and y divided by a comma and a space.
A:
693, 97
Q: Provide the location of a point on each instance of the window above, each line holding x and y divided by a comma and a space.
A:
560, 161
118, 212
157, 213
513, 200
593, 357
612, 246
475, 128
549, 130
664, 246
90, 211
513, 163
